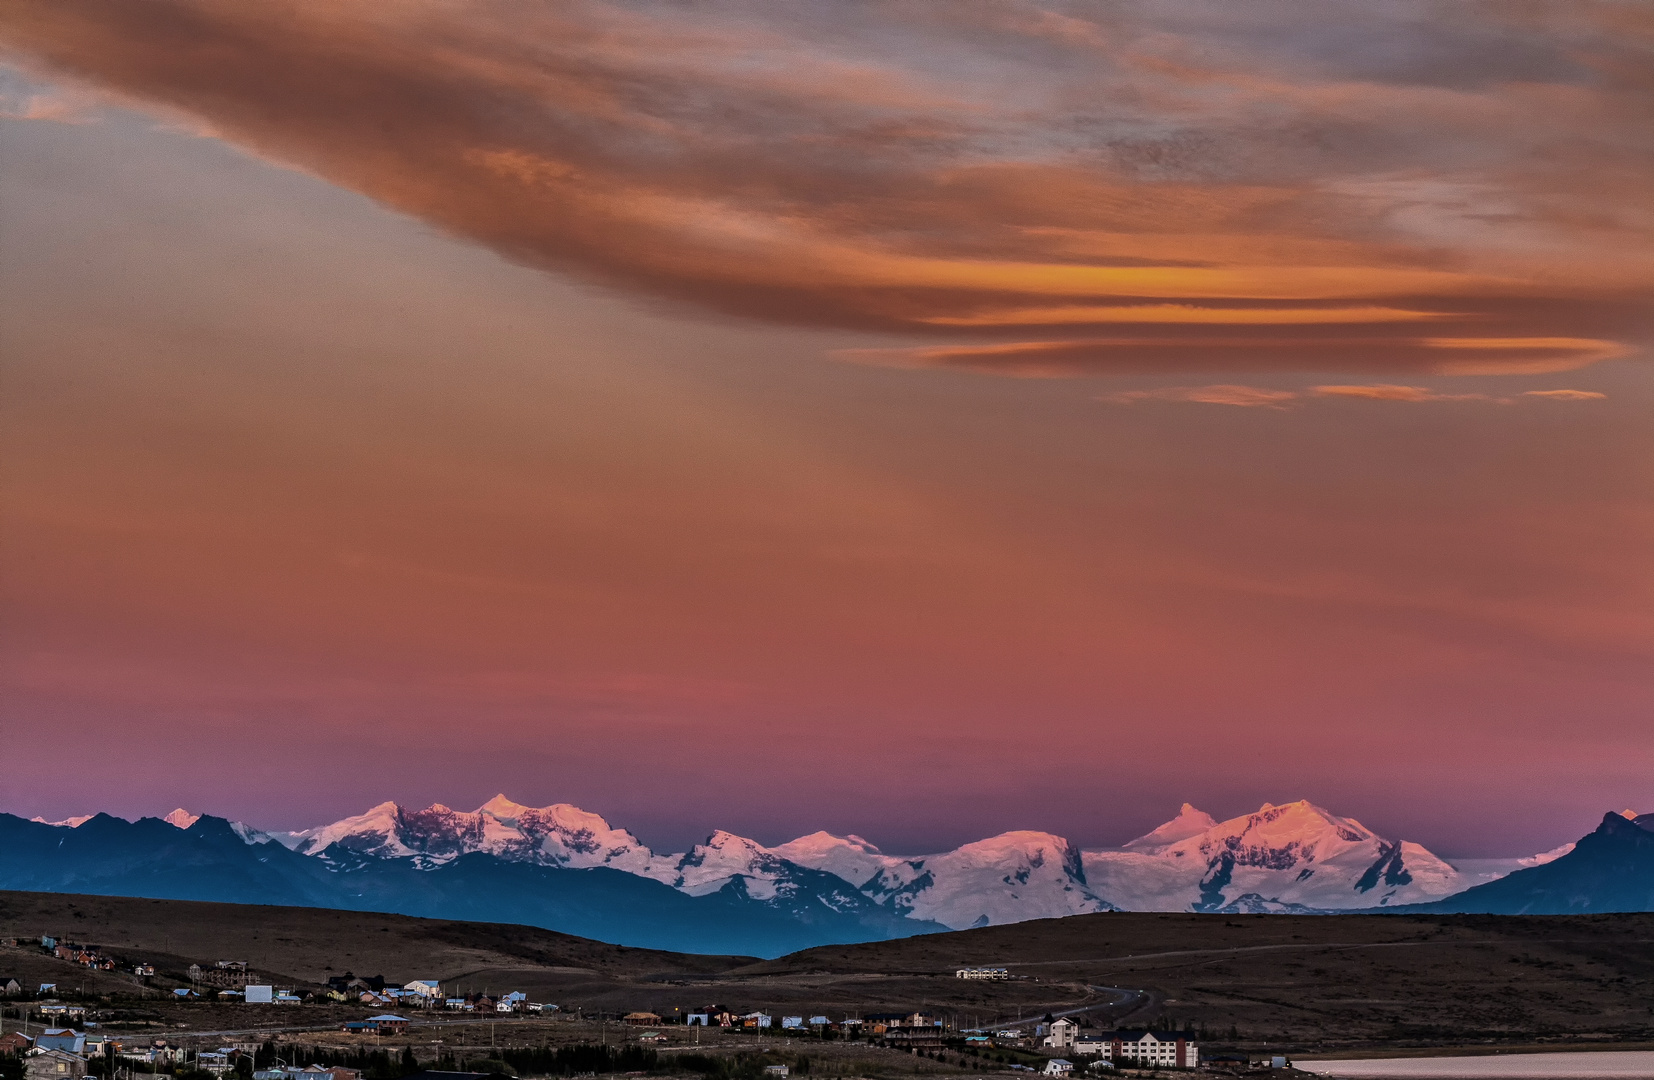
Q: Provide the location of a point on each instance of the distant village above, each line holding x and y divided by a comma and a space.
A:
57, 1037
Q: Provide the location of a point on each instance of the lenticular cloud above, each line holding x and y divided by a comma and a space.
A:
1021, 188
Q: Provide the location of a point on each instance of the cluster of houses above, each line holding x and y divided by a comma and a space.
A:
64, 1053
425, 994
87, 956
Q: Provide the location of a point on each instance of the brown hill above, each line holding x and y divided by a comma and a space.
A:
1301, 982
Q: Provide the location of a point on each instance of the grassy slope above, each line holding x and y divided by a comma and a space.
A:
1302, 981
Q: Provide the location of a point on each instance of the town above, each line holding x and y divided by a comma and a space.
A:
225, 1020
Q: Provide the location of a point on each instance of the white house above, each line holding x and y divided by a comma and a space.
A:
982, 973
428, 990
1058, 1067
1062, 1034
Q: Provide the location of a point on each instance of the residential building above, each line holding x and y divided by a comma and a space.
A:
66, 1039
429, 990
14, 1042
641, 1019
313, 1072
778, 1071
912, 1037
890, 1021
10, 986
994, 973
384, 1024
1157, 1049
1062, 1034
650, 1037
1058, 1067
53, 1065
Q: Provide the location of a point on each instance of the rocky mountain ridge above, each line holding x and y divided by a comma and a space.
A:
1295, 857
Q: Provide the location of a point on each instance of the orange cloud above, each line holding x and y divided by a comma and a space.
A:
1385, 392
1251, 397
1565, 395
1261, 397
1026, 176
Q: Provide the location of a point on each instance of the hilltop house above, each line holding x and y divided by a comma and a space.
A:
14, 1042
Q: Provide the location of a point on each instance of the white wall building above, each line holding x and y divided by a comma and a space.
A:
982, 973
1062, 1034
1152, 1048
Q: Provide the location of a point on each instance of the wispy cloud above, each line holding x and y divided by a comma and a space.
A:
1565, 395
1249, 397
1389, 392
993, 181
1265, 397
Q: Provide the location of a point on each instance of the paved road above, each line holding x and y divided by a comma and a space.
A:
1126, 1001
336, 1024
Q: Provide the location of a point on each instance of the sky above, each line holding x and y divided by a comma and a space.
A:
912, 420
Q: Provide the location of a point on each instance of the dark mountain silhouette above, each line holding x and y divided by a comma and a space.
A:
1612, 869
107, 856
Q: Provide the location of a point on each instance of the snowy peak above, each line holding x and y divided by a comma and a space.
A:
181, 818
1188, 822
556, 835
1006, 878
67, 823
723, 857
503, 808
1292, 857
1276, 835
849, 857
1295, 856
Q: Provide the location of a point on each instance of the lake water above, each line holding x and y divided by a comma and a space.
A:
1595, 1065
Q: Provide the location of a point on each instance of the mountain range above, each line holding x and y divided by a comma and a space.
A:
568, 869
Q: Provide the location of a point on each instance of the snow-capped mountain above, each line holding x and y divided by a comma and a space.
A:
557, 835
1188, 822
1296, 857
181, 818
1008, 878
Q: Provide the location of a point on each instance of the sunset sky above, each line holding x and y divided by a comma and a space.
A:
916, 420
